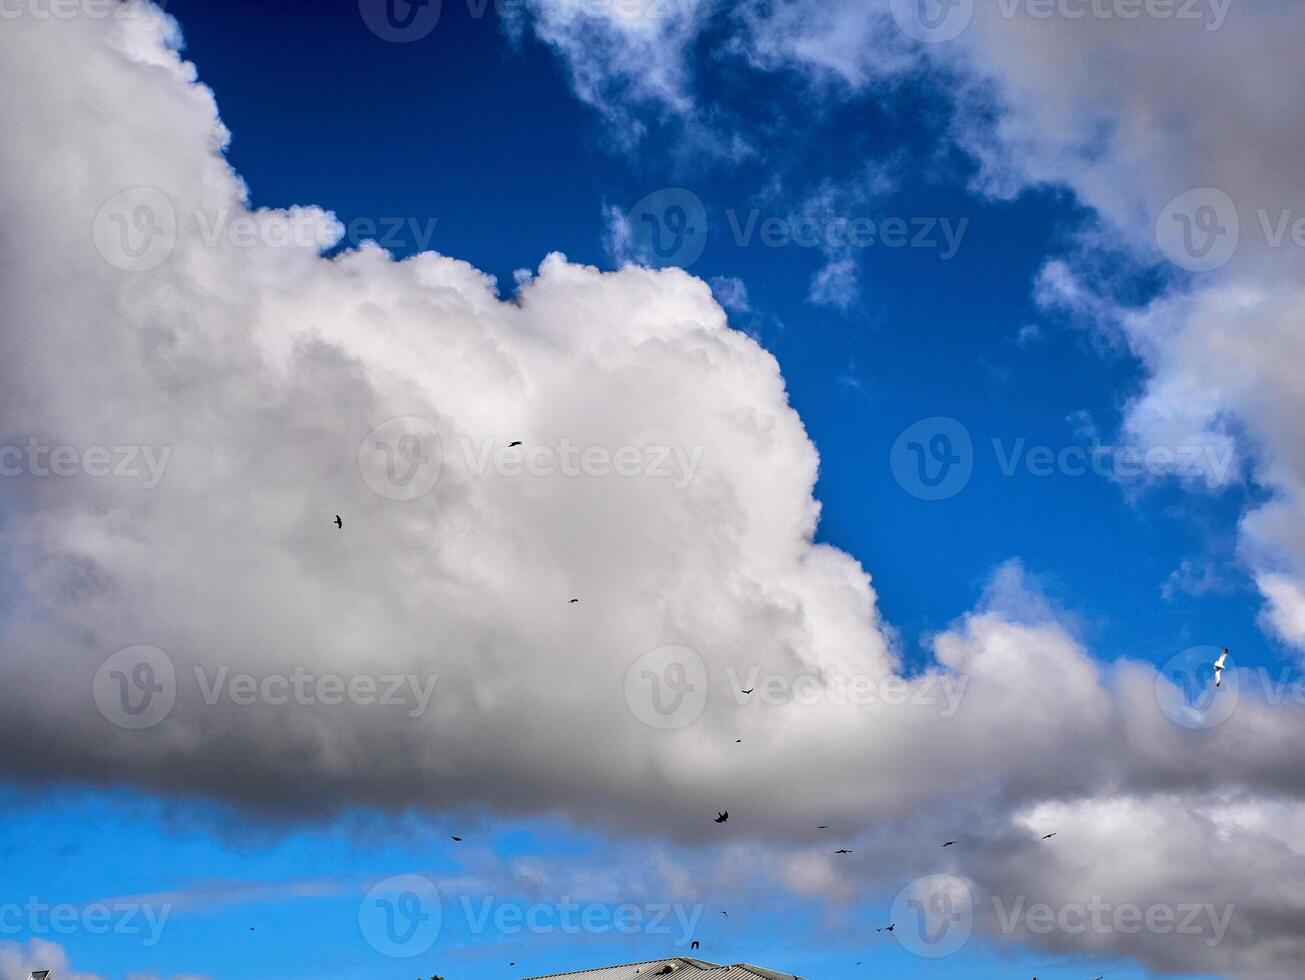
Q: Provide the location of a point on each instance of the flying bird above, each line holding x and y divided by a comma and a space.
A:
949, 843
572, 602
339, 523
726, 914
823, 826
888, 928
1218, 667
748, 691
458, 839
843, 851
722, 817
1049, 836
514, 444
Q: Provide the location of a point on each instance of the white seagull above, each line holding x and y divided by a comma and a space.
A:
1218, 667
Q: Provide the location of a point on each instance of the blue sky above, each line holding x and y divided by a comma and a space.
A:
479, 128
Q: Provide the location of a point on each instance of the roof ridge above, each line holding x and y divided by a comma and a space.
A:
768, 974
701, 964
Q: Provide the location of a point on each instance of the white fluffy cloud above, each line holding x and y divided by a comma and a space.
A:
254, 370
18, 960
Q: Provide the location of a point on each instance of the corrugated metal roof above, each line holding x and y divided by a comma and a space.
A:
681, 968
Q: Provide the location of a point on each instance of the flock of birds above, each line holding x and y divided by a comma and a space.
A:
723, 816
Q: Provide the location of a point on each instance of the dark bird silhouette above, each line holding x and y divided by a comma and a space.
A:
695, 944
513, 444
339, 523
843, 851
949, 843
749, 690
458, 839
573, 602
1049, 836
737, 741
721, 817
888, 928
823, 826
726, 914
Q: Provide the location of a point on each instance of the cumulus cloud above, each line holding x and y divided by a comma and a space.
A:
663, 480
18, 960
262, 370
